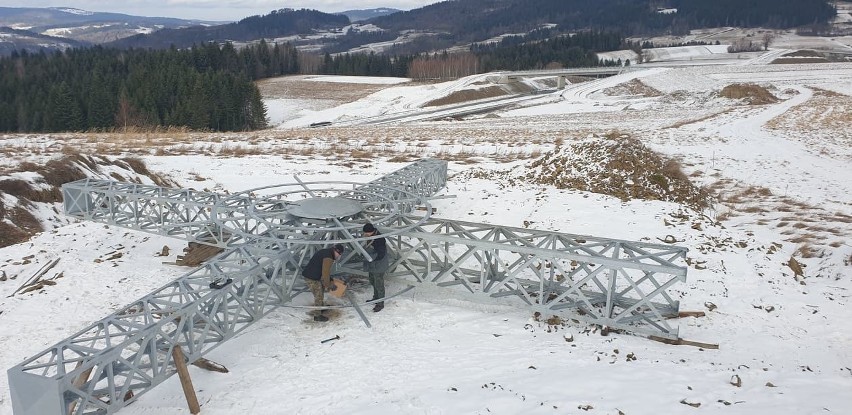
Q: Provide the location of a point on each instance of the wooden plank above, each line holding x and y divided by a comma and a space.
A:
185, 380
682, 342
36, 276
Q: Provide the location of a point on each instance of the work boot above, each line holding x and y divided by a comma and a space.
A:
372, 299
320, 318
379, 306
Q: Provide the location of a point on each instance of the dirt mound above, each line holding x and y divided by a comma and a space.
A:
19, 197
751, 93
633, 87
618, 166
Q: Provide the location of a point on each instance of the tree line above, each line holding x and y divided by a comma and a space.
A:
578, 50
209, 86
477, 20
278, 23
206, 87
778, 14
512, 53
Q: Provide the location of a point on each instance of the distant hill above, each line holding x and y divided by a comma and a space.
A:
473, 20
278, 23
86, 26
440, 26
358, 15
16, 39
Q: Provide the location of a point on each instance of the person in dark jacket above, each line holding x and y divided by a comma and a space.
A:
376, 265
317, 275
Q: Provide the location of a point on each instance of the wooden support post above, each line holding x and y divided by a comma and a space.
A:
78, 383
185, 381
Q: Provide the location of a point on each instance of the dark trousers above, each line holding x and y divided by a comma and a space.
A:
377, 280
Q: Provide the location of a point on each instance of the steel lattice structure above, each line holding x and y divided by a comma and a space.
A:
269, 233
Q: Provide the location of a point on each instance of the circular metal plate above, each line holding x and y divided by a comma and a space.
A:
324, 208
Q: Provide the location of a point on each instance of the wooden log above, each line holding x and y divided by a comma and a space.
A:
210, 365
683, 314
185, 380
195, 254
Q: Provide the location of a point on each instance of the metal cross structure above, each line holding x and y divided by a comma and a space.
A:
269, 234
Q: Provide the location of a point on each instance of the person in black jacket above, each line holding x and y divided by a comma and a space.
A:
376, 265
317, 275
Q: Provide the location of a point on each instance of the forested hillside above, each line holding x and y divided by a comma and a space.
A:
179, 78
473, 20
564, 51
14, 39
777, 14
452, 23
278, 23
206, 87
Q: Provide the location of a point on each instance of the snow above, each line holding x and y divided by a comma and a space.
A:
374, 80
433, 350
687, 52
391, 100
70, 10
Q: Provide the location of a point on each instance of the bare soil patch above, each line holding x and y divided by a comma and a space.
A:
299, 87
467, 95
804, 53
784, 61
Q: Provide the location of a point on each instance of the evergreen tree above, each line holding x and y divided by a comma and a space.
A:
64, 110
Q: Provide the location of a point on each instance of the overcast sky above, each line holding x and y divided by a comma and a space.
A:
230, 10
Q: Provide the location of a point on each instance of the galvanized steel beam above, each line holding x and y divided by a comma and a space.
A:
270, 232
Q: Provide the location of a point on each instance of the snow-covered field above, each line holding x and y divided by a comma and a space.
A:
782, 190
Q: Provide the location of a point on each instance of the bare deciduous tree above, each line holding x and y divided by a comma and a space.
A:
446, 66
768, 38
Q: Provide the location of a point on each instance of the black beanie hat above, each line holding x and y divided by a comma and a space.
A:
369, 228
338, 248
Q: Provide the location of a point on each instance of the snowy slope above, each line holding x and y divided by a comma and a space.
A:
786, 337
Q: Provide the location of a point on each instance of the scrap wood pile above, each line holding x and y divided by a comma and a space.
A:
37, 282
195, 254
